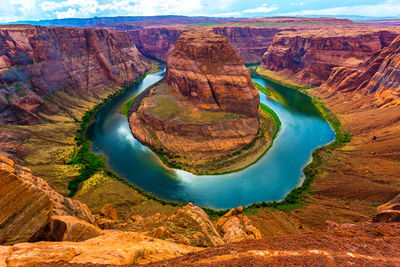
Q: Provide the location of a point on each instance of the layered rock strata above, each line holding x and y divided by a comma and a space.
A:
37, 62
207, 106
308, 57
378, 76
29, 207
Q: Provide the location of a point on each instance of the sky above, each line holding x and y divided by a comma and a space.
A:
15, 10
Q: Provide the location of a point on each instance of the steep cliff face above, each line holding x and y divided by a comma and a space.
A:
378, 76
207, 107
250, 42
310, 56
36, 62
206, 69
156, 41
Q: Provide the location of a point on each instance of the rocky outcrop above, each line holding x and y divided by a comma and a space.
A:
114, 248
69, 228
206, 69
378, 76
309, 56
28, 204
36, 62
207, 107
234, 226
109, 212
389, 212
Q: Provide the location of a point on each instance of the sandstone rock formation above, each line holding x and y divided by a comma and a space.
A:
308, 57
207, 107
115, 247
389, 212
28, 204
69, 228
377, 76
37, 62
205, 68
235, 226
109, 212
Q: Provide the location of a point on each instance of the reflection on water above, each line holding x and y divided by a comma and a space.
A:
271, 178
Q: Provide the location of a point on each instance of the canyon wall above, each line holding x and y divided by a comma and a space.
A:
250, 42
36, 62
378, 76
309, 56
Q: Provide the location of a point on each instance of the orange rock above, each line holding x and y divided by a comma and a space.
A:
109, 212
115, 247
68, 228
27, 204
389, 212
234, 226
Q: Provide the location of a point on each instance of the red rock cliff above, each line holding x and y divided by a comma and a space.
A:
379, 76
250, 42
205, 68
37, 61
311, 55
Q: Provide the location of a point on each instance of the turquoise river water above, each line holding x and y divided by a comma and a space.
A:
270, 179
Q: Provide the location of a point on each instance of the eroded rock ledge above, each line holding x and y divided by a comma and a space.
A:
207, 107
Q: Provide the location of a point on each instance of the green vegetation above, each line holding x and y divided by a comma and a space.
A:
126, 107
8, 97
262, 89
253, 71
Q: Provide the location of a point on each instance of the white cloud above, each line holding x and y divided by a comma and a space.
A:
262, 9
70, 13
389, 8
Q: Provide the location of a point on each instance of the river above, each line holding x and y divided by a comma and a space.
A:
270, 179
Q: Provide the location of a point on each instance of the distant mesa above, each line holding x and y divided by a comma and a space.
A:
206, 108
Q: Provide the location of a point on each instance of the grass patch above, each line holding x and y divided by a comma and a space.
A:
262, 89
126, 107
254, 71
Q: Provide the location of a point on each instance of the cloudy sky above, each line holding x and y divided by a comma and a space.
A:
13, 10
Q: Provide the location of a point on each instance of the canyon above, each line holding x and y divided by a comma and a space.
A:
43, 69
50, 76
207, 107
308, 57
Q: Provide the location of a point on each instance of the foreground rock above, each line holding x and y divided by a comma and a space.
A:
308, 57
115, 247
359, 245
206, 108
389, 212
235, 226
28, 204
38, 62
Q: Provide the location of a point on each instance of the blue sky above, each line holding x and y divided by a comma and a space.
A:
13, 10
